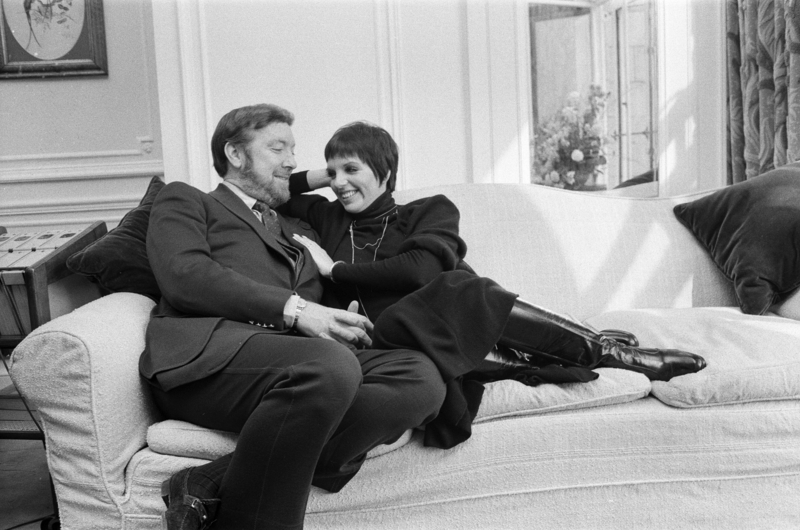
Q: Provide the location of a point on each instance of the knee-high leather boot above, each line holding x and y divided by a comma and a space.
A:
541, 336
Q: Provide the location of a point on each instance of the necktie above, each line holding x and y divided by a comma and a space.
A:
269, 218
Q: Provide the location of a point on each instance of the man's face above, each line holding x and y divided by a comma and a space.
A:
268, 163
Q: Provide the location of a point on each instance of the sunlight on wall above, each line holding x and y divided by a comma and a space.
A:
588, 261
684, 296
643, 268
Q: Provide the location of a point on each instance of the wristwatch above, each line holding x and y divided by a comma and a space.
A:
301, 304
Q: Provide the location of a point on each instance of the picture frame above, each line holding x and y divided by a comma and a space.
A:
52, 38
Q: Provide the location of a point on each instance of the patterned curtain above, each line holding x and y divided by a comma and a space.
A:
763, 51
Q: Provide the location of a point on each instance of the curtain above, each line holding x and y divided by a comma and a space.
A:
763, 57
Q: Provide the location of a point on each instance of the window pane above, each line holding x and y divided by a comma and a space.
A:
594, 94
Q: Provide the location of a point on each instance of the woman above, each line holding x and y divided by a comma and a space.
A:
405, 266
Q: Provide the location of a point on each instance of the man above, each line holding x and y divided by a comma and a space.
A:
239, 343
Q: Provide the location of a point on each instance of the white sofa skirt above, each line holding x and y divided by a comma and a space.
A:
633, 465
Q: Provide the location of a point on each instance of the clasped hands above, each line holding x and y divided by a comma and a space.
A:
346, 327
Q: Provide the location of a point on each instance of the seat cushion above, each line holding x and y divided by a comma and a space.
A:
502, 399
179, 438
750, 358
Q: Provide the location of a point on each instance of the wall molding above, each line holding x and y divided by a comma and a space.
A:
77, 172
499, 91
126, 202
50, 223
70, 155
480, 92
389, 48
195, 87
30, 214
525, 91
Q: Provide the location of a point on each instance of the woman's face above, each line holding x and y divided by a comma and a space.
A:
354, 183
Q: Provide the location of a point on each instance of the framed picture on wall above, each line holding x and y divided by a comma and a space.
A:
52, 38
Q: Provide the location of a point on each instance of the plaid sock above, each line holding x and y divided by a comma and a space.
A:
206, 480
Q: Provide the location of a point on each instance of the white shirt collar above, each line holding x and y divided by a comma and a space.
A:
248, 200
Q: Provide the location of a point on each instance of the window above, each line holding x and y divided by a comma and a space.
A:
594, 99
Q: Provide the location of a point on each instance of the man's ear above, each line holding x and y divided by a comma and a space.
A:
235, 155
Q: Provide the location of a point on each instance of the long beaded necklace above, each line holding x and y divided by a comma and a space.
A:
376, 244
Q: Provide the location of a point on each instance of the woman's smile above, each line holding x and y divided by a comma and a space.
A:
354, 183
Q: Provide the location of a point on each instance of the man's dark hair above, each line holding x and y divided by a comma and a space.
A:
235, 127
372, 144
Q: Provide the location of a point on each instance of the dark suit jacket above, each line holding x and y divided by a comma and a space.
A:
223, 278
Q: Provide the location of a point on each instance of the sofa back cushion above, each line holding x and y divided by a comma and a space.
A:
583, 253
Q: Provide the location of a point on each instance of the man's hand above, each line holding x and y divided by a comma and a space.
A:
347, 327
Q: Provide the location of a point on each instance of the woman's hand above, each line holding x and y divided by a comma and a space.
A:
318, 254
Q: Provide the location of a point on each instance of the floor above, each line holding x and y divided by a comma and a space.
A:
24, 479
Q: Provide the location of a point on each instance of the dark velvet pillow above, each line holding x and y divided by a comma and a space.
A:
752, 231
118, 260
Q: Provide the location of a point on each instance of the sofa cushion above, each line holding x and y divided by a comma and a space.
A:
751, 231
750, 358
179, 438
503, 399
500, 400
118, 260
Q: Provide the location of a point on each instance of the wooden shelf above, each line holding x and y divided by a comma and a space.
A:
10, 341
19, 430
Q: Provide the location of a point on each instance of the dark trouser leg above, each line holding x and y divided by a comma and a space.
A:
402, 389
546, 337
286, 396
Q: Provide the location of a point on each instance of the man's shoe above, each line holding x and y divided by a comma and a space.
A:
657, 365
185, 511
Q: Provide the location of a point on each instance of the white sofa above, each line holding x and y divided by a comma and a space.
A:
718, 449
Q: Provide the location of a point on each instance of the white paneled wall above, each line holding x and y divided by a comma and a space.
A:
692, 94
448, 78
75, 150
421, 69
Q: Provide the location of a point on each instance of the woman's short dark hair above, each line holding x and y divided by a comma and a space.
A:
235, 127
372, 144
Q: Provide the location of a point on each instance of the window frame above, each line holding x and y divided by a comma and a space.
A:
692, 149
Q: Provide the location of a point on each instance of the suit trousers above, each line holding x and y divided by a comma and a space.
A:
306, 410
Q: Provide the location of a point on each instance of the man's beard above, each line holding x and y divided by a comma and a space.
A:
274, 194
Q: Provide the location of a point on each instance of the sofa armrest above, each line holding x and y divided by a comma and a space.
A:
81, 372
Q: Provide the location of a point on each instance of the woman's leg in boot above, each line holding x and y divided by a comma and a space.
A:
541, 336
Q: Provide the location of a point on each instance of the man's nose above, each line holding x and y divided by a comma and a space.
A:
290, 161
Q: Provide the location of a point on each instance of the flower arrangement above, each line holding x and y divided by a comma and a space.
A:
570, 145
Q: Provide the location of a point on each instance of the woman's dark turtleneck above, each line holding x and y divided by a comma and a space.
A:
383, 204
